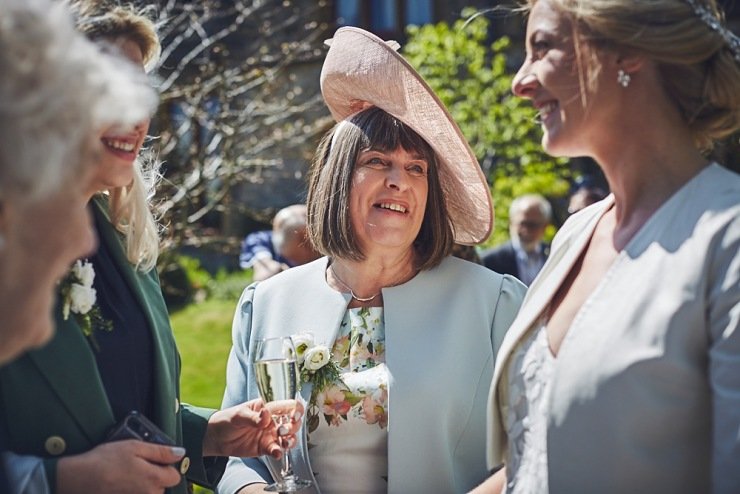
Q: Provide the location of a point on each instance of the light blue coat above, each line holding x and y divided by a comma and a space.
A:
443, 329
646, 387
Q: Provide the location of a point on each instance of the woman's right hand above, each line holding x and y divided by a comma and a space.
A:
120, 467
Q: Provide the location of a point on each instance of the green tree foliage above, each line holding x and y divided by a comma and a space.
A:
471, 78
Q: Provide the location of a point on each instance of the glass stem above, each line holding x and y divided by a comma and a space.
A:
286, 469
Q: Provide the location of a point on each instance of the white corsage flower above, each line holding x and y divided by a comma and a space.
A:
302, 343
315, 366
82, 298
85, 273
79, 298
316, 357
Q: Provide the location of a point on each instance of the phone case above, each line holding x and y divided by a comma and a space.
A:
137, 426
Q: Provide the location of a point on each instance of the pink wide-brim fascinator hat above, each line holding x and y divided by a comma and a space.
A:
362, 70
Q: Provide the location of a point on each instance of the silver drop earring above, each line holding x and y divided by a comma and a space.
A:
623, 78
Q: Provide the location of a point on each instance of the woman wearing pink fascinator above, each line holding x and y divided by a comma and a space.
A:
396, 338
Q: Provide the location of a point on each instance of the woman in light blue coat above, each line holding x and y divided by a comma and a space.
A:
397, 338
621, 373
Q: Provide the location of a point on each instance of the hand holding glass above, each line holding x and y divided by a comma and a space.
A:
276, 371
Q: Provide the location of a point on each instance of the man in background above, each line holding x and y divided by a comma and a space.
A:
583, 196
525, 254
269, 252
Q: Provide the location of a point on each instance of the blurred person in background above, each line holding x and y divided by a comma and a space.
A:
525, 253
584, 194
269, 252
467, 252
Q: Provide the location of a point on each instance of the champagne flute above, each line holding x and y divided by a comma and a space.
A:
276, 370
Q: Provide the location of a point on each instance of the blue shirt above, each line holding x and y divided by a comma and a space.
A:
258, 245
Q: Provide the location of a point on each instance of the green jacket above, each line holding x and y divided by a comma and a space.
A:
52, 400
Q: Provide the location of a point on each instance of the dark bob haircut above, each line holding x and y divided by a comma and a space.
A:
330, 182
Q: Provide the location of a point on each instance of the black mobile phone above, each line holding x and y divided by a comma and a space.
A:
137, 426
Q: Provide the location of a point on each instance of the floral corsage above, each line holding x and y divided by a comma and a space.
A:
316, 366
79, 298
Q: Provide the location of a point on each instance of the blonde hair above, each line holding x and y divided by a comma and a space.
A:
131, 214
130, 207
697, 66
105, 20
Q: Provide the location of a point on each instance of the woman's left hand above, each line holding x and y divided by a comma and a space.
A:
247, 430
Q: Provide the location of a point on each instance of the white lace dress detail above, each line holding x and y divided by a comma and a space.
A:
528, 376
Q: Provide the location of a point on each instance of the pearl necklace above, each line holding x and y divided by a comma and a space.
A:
345, 285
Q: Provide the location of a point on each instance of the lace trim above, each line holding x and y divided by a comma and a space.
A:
529, 377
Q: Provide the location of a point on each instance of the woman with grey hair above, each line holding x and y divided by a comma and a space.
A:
56, 90
114, 352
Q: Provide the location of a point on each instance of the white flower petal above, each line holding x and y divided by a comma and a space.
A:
82, 298
316, 357
302, 343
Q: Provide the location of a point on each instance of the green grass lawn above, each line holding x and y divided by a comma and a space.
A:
203, 333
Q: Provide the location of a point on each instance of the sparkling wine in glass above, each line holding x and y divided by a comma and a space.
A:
276, 371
